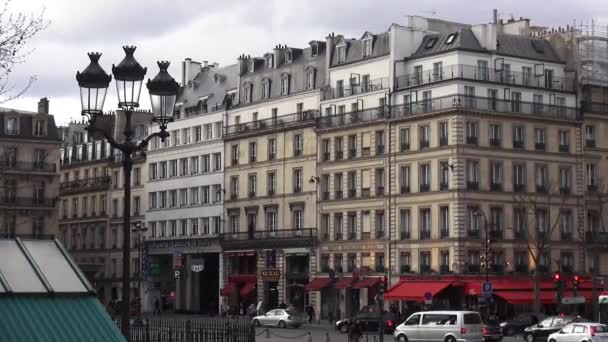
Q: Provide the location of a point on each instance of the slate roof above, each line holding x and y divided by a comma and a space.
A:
526, 47
45, 297
354, 49
26, 125
204, 84
508, 45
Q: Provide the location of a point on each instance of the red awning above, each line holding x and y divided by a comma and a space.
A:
367, 282
343, 283
414, 291
247, 289
526, 297
317, 284
229, 288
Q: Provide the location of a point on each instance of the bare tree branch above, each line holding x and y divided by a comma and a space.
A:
16, 29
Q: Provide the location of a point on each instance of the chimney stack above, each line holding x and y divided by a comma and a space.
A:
495, 17
43, 106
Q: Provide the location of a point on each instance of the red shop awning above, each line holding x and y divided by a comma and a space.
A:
526, 297
414, 291
318, 284
343, 283
247, 289
366, 282
229, 288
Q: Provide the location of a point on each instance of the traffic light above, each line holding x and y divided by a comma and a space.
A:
383, 284
557, 280
575, 282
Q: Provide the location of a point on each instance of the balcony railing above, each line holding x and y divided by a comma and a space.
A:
472, 185
304, 237
425, 234
339, 194
425, 187
11, 165
472, 140
564, 148
405, 189
279, 122
85, 185
352, 193
496, 234
495, 142
406, 269
326, 156
473, 233
519, 187
379, 191
339, 155
473, 269
444, 269
471, 72
355, 89
495, 186
380, 233
405, 235
590, 143
27, 202
539, 146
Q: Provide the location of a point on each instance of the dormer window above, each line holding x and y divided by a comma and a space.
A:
39, 126
310, 78
247, 89
285, 84
12, 126
269, 64
314, 49
451, 38
341, 53
367, 47
265, 88
288, 57
251, 65
431, 43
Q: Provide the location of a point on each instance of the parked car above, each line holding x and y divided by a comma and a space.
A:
368, 322
590, 332
444, 326
520, 322
548, 326
277, 318
491, 332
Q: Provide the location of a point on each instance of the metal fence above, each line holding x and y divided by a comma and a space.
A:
218, 330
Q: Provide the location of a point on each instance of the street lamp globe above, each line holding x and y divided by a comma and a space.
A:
129, 75
163, 93
93, 82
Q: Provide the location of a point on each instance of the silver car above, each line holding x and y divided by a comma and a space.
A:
441, 326
277, 318
576, 332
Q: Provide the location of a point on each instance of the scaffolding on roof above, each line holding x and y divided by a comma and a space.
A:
592, 50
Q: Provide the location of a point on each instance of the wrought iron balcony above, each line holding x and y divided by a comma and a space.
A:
444, 233
425, 234
443, 186
590, 143
496, 234
326, 156
339, 155
474, 269
495, 186
365, 192
425, 187
444, 269
405, 147
519, 234
355, 89
283, 238
380, 149
425, 268
591, 187
405, 189
495, 142
352, 153
539, 146
325, 195
380, 233
564, 148
472, 185
85, 185
473, 233
519, 187
339, 236
541, 189
20, 166
12, 235
497, 269
379, 191
27, 202
406, 269
352, 193
471, 140
405, 235
424, 143
443, 141
280, 122
339, 194
472, 72
597, 237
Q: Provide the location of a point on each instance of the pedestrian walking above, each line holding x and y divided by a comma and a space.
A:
311, 316
354, 332
156, 307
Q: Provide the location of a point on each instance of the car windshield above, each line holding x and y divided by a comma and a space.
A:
600, 328
290, 312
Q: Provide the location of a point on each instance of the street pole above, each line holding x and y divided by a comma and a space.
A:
127, 166
486, 252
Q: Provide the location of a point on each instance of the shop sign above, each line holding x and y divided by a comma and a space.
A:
155, 270
181, 243
353, 247
270, 274
198, 268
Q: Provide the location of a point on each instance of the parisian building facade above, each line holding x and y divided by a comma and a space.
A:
91, 203
29, 177
306, 175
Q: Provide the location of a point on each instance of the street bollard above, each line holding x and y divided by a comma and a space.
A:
327, 336
309, 337
267, 333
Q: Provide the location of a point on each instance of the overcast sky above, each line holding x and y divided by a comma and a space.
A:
219, 31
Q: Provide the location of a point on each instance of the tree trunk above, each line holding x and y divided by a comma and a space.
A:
536, 291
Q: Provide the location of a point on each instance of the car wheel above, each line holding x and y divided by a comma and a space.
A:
509, 332
552, 340
450, 339
256, 323
529, 338
402, 338
344, 328
281, 324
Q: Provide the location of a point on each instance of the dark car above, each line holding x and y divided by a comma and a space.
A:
369, 322
517, 325
549, 325
491, 331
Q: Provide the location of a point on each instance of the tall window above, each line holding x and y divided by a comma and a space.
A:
405, 223
443, 133
272, 148
425, 223
205, 163
367, 47
404, 179
341, 53
425, 177
565, 175
518, 137
541, 178
271, 220
297, 145
495, 175
425, 136
285, 85
472, 132
444, 224
298, 219
272, 183
404, 138
520, 220
519, 177
483, 70
539, 139
235, 154
444, 175
297, 180
472, 168
564, 140
252, 180
253, 152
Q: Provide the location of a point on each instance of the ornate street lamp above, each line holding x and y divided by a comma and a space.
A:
93, 82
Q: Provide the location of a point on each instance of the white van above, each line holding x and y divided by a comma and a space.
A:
442, 326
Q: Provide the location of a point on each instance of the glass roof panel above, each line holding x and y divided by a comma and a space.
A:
55, 267
17, 270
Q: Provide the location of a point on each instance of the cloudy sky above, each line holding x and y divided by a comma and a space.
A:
219, 31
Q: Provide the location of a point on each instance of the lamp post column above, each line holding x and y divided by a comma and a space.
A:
127, 166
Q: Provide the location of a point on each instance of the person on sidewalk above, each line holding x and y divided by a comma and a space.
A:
354, 332
156, 307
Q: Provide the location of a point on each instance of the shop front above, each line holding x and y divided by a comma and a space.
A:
183, 275
511, 295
